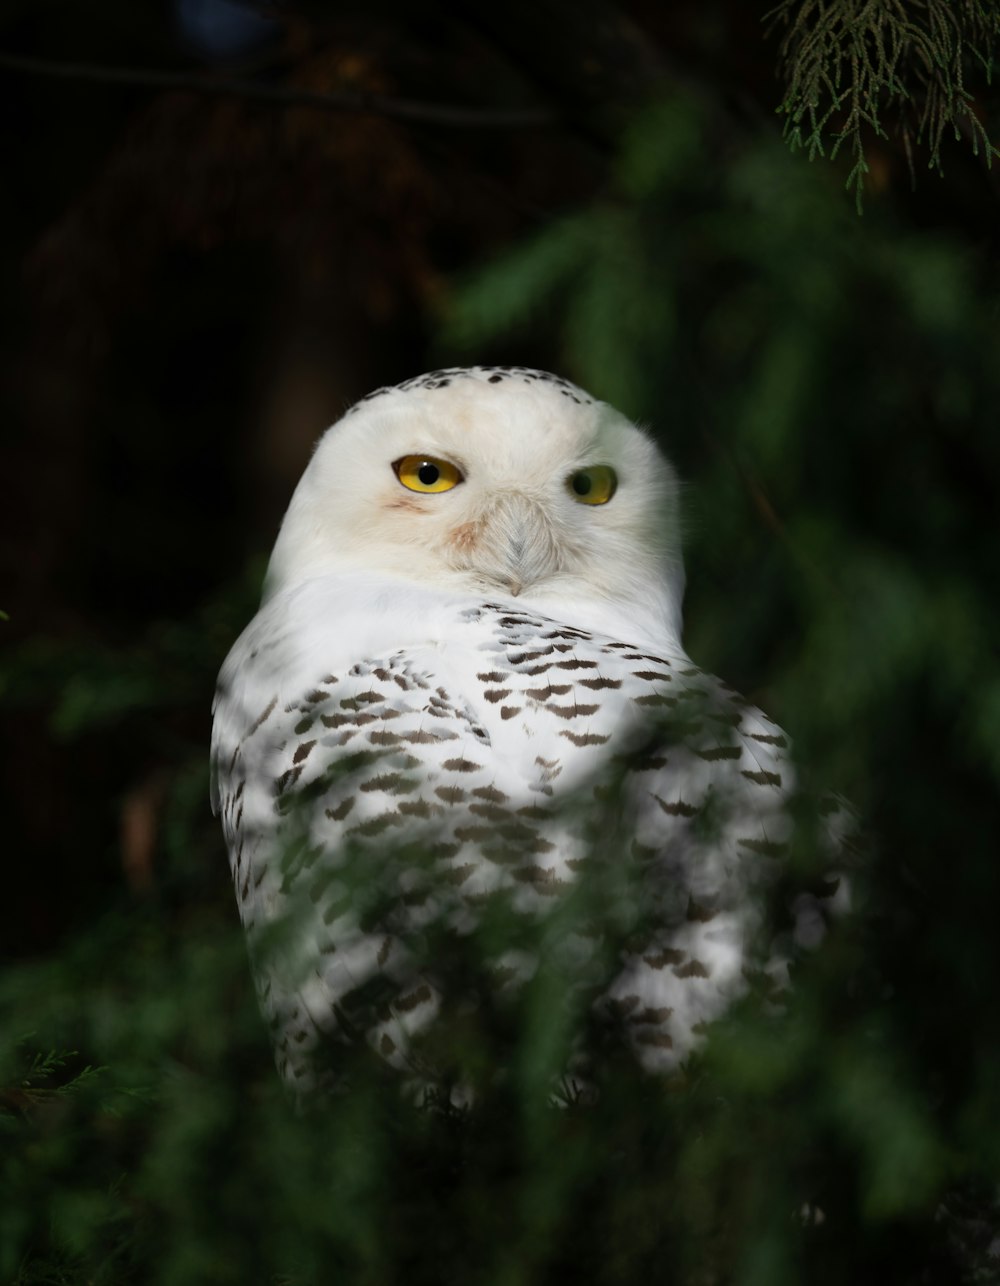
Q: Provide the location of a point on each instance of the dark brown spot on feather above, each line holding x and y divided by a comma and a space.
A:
654, 1039
584, 738
676, 809
622, 1005
472, 834
763, 778
420, 996
566, 634
379, 737
261, 717
543, 879
550, 690
492, 812
393, 783
667, 956
460, 765
288, 779
574, 711
765, 847
518, 658
649, 1015
362, 698
415, 807
376, 825
490, 793
646, 762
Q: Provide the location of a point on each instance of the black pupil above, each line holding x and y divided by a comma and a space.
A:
428, 474
582, 483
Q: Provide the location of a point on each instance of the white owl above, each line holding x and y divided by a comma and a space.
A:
466, 684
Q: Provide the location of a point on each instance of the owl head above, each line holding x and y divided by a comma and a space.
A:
498, 481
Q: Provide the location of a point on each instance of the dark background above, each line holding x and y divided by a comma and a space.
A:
198, 277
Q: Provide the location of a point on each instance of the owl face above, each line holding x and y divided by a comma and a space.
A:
520, 485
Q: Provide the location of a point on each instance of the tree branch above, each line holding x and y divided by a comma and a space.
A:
342, 100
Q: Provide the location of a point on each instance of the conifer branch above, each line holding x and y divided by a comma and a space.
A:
853, 65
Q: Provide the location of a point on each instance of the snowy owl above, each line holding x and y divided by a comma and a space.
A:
465, 687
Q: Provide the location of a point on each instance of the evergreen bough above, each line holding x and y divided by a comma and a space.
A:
852, 65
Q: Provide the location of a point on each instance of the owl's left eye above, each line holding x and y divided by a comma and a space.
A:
593, 486
426, 473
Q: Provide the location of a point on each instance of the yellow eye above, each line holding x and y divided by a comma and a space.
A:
426, 473
593, 486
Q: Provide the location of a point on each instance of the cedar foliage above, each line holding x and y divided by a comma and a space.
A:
853, 63
827, 386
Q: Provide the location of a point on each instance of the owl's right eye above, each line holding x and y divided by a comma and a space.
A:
426, 473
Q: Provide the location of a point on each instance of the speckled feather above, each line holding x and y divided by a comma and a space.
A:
489, 747
455, 745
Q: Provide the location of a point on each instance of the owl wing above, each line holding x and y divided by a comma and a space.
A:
499, 754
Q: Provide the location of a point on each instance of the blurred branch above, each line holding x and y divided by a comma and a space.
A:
139, 827
342, 100
585, 54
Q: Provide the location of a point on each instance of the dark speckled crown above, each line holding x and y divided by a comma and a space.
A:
484, 375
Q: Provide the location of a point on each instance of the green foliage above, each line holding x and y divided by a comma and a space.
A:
852, 65
829, 386
828, 389
88, 686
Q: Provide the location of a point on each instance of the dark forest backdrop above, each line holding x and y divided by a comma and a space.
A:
219, 225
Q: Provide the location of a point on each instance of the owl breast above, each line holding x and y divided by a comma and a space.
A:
379, 784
